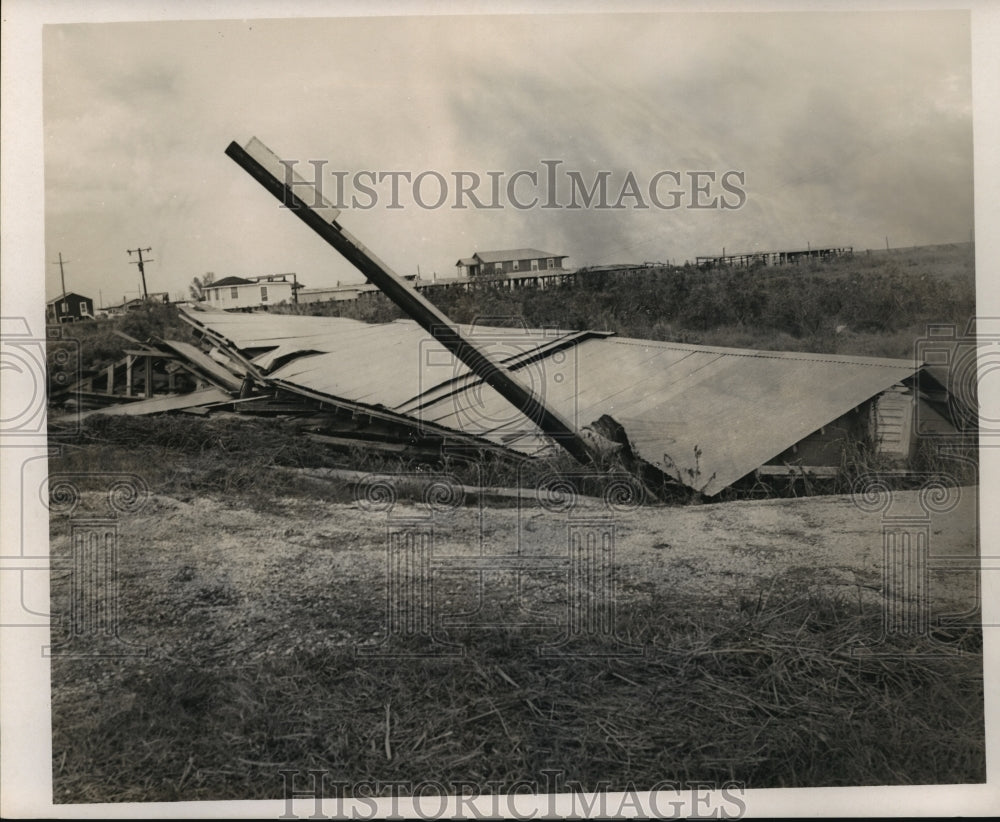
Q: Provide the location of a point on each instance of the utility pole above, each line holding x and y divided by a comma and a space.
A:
142, 271
62, 274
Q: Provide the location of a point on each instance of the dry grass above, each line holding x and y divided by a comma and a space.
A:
771, 695
766, 691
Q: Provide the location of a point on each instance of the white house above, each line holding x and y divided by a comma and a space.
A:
251, 292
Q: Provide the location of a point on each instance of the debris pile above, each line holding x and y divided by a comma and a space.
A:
699, 417
705, 417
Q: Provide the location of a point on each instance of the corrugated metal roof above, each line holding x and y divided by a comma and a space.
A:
705, 415
393, 365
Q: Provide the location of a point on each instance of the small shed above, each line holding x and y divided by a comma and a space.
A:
69, 308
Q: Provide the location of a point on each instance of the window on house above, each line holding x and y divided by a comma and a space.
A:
551, 263
498, 268
65, 307
534, 265
263, 293
517, 265
234, 292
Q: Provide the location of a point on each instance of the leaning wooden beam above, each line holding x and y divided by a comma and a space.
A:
264, 166
209, 368
466, 442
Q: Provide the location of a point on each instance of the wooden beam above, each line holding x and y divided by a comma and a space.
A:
412, 303
159, 405
209, 368
125, 336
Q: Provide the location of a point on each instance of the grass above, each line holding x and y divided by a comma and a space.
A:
261, 459
770, 695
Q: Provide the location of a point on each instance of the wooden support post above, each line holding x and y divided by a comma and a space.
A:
128, 375
148, 377
111, 378
413, 304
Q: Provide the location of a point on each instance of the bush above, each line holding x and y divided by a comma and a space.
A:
886, 299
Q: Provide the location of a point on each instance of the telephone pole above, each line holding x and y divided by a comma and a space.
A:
142, 271
62, 274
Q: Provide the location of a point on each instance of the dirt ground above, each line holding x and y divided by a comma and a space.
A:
232, 580
247, 631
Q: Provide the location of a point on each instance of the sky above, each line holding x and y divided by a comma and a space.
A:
845, 128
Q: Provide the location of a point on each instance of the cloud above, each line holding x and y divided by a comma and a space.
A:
848, 126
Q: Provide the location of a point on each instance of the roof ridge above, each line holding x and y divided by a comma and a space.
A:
853, 359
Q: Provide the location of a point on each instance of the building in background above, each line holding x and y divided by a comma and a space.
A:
513, 261
252, 292
69, 308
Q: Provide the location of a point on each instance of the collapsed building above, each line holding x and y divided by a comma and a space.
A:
702, 417
706, 417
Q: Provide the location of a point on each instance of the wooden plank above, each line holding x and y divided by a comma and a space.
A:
159, 405
475, 491
208, 367
798, 470
125, 336
372, 445
101, 398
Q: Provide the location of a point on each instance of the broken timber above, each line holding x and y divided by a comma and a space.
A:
264, 166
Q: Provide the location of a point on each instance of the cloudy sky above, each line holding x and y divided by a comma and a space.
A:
848, 128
